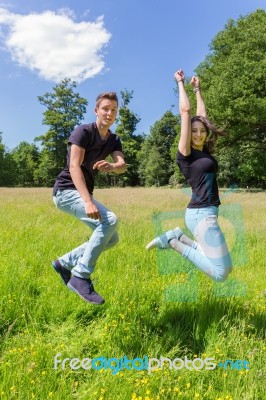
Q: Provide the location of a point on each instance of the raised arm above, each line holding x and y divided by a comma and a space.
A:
184, 110
201, 109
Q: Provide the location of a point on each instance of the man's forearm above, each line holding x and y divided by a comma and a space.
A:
80, 184
119, 167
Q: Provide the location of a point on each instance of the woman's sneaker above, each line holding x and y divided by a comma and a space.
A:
162, 242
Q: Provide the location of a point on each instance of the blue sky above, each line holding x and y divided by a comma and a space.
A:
103, 45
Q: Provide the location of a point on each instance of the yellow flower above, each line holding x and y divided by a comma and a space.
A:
188, 385
196, 395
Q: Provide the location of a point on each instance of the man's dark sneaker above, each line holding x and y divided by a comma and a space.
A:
63, 272
84, 288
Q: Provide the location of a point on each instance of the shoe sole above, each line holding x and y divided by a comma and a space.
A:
56, 270
155, 244
88, 301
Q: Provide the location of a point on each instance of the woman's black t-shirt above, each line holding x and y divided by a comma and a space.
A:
199, 169
96, 149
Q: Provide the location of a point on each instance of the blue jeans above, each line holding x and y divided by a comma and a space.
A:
82, 260
216, 261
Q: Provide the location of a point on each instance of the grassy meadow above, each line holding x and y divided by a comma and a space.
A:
156, 303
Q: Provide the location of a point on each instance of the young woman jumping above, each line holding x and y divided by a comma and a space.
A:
209, 251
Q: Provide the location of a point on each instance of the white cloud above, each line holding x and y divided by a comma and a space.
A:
54, 45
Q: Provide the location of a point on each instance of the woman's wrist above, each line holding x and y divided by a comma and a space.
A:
196, 89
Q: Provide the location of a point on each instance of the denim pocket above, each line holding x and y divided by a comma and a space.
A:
57, 197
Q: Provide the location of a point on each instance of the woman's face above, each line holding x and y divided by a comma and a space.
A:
198, 135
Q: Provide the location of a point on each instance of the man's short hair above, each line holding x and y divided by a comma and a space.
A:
106, 95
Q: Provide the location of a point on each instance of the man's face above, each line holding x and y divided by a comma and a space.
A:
106, 112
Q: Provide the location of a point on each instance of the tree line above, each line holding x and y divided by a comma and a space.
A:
233, 77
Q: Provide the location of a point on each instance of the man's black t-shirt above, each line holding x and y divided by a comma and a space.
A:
96, 149
199, 169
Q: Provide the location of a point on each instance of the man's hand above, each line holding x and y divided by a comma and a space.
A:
92, 211
103, 166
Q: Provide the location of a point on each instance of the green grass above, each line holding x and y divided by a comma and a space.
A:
143, 314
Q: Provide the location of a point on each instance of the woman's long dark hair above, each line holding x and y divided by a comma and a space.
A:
212, 132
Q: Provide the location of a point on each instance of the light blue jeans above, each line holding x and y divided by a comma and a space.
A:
82, 260
216, 261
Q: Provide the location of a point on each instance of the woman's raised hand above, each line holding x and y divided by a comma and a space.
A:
179, 76
195, 82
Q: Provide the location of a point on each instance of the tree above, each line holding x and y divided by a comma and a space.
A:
177, 178
234, 86
26, 157
65, 110
127, 122
156, 165
7, 166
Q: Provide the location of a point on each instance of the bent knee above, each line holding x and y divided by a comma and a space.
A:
222, 276
114, 240
112, 219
